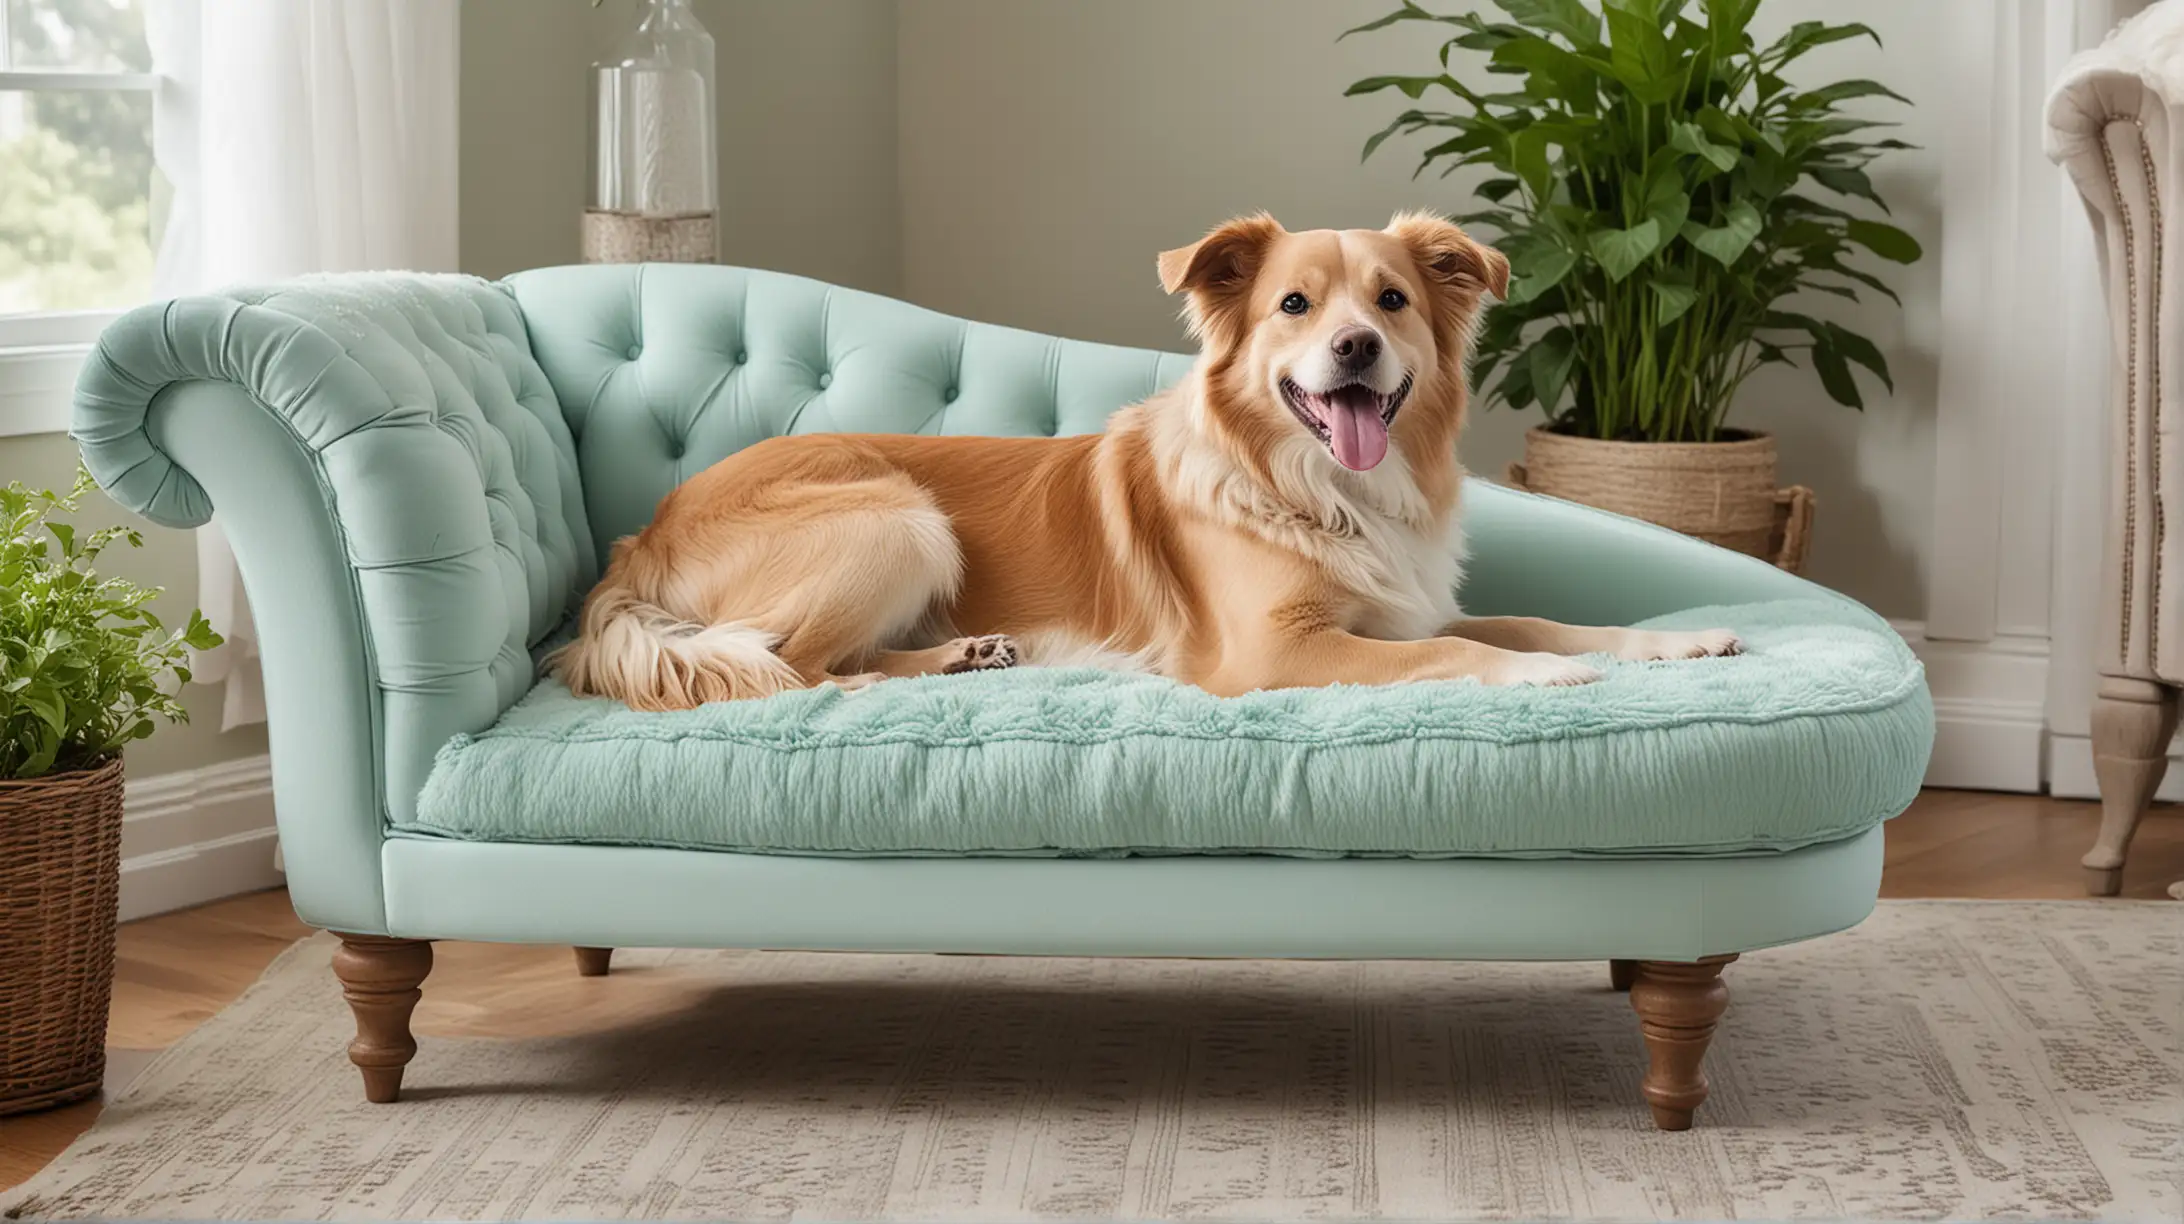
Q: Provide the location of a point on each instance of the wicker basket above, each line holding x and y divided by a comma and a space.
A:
1721, 492
60, 891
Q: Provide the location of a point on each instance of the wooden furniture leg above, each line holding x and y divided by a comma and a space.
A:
593, 962
1677, 1005
380, 977
1621, 973
2133, 721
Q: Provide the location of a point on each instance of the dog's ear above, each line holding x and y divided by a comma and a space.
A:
1223, 260
1449, 256
1216, 272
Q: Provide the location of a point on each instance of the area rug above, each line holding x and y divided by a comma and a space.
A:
1946, 1060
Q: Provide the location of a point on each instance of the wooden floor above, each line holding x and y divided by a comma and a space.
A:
174, 971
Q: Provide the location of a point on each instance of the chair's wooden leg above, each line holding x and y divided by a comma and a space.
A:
1677, 1005
1621, 973
2133, 721
593, 962
380, 976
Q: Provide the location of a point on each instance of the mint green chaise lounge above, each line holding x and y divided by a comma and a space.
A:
421, 476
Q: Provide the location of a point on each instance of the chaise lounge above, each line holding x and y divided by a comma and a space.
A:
421, 476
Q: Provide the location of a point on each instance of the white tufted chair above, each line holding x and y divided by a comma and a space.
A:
2115, 122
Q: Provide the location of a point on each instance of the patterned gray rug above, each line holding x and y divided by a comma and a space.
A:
1947, 1060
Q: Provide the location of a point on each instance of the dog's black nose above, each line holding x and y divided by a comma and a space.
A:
1357, 347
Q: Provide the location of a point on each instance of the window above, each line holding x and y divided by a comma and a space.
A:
77, 192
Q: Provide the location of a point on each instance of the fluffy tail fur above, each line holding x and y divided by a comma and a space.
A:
647, 657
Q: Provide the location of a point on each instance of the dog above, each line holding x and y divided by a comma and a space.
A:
1287, 515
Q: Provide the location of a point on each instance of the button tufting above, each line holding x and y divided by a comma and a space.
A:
675, 448
948, 396
634, 350
826, 380
742, 356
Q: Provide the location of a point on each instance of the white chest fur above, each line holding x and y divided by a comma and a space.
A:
1375, 532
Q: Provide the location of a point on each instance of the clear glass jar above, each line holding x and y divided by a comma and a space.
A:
655, 186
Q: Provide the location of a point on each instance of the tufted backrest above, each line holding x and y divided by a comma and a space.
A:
665, 369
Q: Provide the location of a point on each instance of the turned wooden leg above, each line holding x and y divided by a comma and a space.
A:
379, 976
2133, 721
1677, 1005
1621, 973
592, 962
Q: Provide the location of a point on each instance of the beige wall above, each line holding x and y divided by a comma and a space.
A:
167, 560
807, 133
1050, 148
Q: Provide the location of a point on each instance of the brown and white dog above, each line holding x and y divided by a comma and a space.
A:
1285, 516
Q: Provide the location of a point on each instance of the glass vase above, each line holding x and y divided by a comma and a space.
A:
655, 187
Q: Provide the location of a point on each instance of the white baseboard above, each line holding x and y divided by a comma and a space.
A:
2070, 770
1990, 710
197, 835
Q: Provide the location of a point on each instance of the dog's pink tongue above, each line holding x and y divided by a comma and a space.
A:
1357, 435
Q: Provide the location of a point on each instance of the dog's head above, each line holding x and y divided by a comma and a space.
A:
1337, 333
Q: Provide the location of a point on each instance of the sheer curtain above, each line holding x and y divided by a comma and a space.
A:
298, 136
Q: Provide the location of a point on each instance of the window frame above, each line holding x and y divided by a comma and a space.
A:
41, 351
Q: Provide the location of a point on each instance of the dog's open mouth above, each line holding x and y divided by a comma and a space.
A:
1351, 420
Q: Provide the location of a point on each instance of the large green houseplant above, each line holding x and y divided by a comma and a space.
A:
85, 669
1663, 191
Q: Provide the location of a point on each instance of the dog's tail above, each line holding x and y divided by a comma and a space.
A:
643, 655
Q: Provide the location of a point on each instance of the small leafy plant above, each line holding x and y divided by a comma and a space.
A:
83, 661
1658, 185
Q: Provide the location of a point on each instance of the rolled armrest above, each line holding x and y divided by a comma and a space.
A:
2113, 123
401, 491
1540, 556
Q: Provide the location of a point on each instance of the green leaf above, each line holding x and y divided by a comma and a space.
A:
1638, 50
42, 700
1569, 18
1726, 21
1412, 86
1861, 350
1667, 203
1621, 251
1571, 77
1848, 182
1886, 241
1552, 359
1528, 158
1843, 91
1409, 12
1727, 242
1835, 375
1688, 138
1539, 268
1674, 300
1806, 35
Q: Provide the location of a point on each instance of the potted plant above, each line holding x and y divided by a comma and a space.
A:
85, 668
1662, 191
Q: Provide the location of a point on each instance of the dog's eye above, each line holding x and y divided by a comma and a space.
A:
1296, 303
1392, 300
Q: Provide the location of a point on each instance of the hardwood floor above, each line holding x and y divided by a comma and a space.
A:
174, 971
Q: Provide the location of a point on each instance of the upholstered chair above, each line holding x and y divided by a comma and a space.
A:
2114, 123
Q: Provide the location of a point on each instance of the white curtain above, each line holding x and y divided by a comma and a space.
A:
298, 136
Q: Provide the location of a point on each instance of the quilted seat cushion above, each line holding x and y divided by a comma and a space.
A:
1819, 732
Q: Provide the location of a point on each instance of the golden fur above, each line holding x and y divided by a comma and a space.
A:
1263, 524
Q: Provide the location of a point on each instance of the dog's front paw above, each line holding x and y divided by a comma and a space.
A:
1539, 668
1647, 645
987, 653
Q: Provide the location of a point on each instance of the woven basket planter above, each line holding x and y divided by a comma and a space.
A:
60, 893
1720, 492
